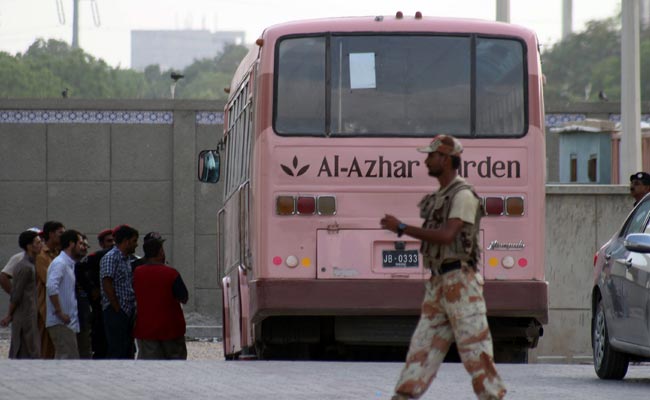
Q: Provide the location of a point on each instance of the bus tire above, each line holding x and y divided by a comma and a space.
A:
608, 363
510, 354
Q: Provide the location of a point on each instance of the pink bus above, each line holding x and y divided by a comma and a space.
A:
321, 126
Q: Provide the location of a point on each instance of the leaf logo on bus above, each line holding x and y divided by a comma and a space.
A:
290, 171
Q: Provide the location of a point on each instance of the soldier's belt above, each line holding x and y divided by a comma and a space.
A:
448, 267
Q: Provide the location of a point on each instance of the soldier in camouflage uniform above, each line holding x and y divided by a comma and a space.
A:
453, 308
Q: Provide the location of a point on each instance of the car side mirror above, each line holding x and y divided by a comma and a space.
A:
209, 166
638, 242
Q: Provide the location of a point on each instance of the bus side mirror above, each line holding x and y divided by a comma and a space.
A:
209, 166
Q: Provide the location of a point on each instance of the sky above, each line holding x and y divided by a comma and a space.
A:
105, 25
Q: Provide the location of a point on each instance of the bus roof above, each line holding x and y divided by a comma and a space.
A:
378, 24
393, 24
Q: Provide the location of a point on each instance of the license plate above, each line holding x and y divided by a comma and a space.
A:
400, 258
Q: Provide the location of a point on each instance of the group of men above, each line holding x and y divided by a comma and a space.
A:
68, 304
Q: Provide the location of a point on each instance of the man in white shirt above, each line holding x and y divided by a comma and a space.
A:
62, 316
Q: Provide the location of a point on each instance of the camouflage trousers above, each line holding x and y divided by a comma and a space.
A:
453, 310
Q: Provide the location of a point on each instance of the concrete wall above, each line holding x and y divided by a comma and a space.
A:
97, 164
579, 219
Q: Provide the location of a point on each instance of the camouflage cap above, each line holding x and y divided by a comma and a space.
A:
445, 144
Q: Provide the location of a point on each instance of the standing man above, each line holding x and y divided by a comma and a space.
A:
9, 269
118, 299
25, 342
83, 288
106, 239
135, 263
639, 185
90, 265
159, 292
453, 308
62, 315
52, 231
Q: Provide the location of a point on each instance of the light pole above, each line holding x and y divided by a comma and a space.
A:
630, 149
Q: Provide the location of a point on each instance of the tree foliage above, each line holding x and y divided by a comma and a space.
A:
47, 68
576, 69
586, 63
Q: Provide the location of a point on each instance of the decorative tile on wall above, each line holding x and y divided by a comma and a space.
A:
555, 120
617, 117
85, 117
209, 118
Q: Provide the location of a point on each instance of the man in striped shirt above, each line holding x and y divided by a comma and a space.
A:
62, 317
118, 299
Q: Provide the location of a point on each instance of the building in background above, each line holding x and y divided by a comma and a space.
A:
176, 49
585, 151
588, 151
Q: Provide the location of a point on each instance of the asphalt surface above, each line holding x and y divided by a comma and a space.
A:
293, 380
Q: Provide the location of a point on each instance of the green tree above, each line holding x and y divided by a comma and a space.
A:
584, 62
20, 81
49, 67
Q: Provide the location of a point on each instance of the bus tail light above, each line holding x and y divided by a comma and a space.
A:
494, 205
595, 258
515, 206
326, 205
306, 205
285, 205
292, 261
508, 262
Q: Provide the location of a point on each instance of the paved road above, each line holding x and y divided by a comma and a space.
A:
292, 380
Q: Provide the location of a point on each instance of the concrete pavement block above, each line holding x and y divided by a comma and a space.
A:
209, 198
23, 205
78, 152
142, 205
84, 206
574, 327
569, 262
141, 152
208, 302
26, 159
205, 255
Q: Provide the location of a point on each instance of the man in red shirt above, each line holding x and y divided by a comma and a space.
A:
159, 292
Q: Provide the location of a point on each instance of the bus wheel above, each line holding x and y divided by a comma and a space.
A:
608, 363
510, 354
263, 350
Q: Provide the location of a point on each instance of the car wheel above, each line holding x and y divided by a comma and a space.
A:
609, 363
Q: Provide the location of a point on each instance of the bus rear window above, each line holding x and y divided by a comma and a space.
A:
400, 85
500, 104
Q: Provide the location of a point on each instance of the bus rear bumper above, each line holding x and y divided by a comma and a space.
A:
508, 299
